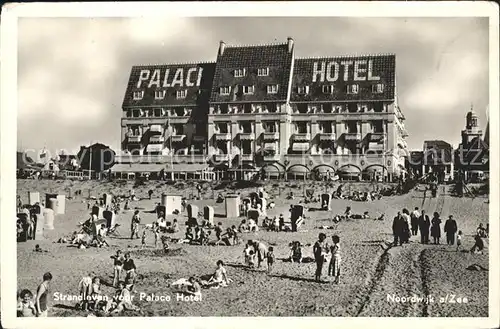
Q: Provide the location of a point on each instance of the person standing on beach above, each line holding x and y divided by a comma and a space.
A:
334, 267
320, 250
134, 227
424, 225
415, 216
397, 230
450, 228
436, 228
41, 296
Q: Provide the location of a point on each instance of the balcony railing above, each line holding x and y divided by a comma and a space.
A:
352, 136
246, 136
271, 136
302, 137
134, 139
156, 139
246, 157
222, 157
327, 136
223, 136
177, 138
377, 136
176, 158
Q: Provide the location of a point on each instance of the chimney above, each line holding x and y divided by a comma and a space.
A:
290, 44
222, 47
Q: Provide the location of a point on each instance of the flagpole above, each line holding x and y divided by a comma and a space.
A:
90, 163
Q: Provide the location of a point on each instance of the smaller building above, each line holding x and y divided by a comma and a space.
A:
436, 158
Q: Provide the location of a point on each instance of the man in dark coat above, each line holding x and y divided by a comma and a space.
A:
397, 229
450, 228
424, 224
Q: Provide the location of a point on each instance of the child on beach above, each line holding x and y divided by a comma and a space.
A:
143, 239
218, 232
459, 240
195, 288
334, 268
25, 307
129, 267
270, 259
117, 267
219, 279
85, 288
156, 230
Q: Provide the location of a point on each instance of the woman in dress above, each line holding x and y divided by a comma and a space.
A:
436, 228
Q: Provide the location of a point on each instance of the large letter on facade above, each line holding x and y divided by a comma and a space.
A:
321, 72
143, 76
188, 77
335, 76
346, 69
370, 72
198, 82
165, 82
178, 77
155, 79
359, 72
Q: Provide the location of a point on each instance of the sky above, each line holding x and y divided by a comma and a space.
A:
73, 72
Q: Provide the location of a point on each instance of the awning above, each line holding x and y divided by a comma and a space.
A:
271, 170
154, 148
185, 167
301, 147
375, 168
298, 169
137, 167
324, 169
348, 170
246, 167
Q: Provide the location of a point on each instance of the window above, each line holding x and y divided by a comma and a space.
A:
272, 89
378, 88
328, 89
353, 89
225, 90
138, 95
160, 94
181, 93
303, 90
158, 112
239, 73
263, 72
248, 90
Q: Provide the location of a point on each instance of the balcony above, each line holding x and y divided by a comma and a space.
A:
177, 158
327, 137
271, 136
134, 139
156, 129
222, 136
247, 136
177, 138
222, 157
157, 139
302, 137
272, 157
246, 157
377, 136
356, 137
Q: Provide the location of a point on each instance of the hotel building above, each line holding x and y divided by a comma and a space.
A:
258, 110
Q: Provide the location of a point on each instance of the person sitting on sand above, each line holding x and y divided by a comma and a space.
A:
219, 279
26, 307
175, 227
252, 225
348, 213
296, 252
481, 231
249, 255
243, 228
194, 289
478, 246
123, 300
101, 235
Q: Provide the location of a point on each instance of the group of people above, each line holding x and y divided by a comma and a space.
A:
325, 253
39, 308
256, 252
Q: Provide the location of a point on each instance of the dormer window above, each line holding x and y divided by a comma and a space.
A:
303, 90
272, 89
248, 90
160, 94
239, 73
263, 72
138, 95
328, 89
179, 94
378, 88
226, 90
353, 89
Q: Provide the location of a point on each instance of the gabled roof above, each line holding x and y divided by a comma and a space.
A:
276, 57
320, 71
196, 78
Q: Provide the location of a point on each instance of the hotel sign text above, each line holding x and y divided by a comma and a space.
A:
346, 70
158, 78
